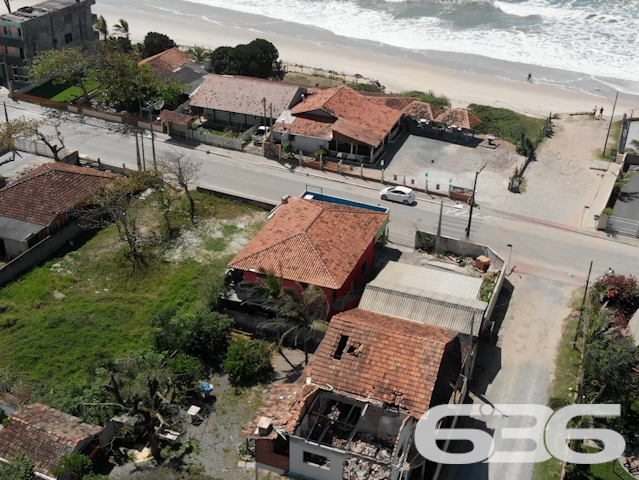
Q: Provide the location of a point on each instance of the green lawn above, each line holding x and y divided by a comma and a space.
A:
87, 306
61, 93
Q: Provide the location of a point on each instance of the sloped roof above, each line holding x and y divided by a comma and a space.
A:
387, 359
45, 435
398, 103
422, 110
167, 61
427, 295
285, 404
354, 115
17, 230
48, 190
174, 117
312, 242
244, 95
460, 117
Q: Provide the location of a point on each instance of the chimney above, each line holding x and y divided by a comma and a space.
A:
264, 426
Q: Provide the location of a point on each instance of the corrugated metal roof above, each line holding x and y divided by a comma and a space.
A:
436, 310
18, 230
429, 279
427, 295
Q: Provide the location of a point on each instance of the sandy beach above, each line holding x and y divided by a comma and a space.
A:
395, 72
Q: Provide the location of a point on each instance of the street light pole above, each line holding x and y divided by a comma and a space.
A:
614, 105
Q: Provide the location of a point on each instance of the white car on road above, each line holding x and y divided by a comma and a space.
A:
398, 194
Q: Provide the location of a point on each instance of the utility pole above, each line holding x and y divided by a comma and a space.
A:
472, 202
614, 105
583, 301
438, 240
6, 115
137, 151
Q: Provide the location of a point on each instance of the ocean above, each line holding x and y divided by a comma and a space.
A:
575, 44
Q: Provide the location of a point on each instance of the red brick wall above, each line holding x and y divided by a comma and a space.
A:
264, 454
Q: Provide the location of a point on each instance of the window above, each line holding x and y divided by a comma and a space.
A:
5, 30
20, 74
317, 460
20, 32
68, 38
22, 53
6, 50
364, 267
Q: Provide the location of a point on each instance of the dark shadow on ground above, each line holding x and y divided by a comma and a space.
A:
491, 335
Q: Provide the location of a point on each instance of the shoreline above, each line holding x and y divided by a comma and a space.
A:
464, 79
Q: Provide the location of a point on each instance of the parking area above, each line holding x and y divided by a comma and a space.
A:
450, 163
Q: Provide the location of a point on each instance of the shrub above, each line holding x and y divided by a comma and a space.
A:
608, 211
441, 102
246, 359
75, 464
201, 334
187, 370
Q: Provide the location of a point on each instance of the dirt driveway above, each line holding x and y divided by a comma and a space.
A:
516, 366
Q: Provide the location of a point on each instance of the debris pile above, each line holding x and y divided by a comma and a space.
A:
371, 446
359, 469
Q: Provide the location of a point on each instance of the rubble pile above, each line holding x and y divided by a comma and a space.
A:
359, 469
371, 446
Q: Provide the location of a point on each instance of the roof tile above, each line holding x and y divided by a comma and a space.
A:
45, 435
168, 60
397, 358
313, 242
48, 190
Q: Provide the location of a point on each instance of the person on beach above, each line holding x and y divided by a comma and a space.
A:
600, 113
530, 78
594, 112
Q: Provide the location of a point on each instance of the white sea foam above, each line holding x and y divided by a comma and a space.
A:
595, 37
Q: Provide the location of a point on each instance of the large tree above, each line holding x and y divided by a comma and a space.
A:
155, 43
73, 66
256, 59
181, 171
116, 203
126, 84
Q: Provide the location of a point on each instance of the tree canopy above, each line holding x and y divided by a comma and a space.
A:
155, 43
124, 84
258, 59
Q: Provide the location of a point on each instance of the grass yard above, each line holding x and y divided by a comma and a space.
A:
61, 93
87, 306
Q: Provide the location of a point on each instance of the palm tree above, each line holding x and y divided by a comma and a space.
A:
199, 53
300, 311
122, 28
102, 27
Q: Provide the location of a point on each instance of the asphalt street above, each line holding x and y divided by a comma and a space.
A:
553, 259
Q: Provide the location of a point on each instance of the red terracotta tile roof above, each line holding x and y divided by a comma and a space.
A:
285, 404
398, 103
48, 190
244, 95
174, 117
168, 60
353, 114
422, 110
45, 435
460, 117
312, 242
387, 359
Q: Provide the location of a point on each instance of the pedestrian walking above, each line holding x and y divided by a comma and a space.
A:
594, 112
600, 113
530, 78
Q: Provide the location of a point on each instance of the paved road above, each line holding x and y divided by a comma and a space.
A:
552, 260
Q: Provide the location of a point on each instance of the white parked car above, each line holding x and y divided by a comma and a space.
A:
398, 194
260, 134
